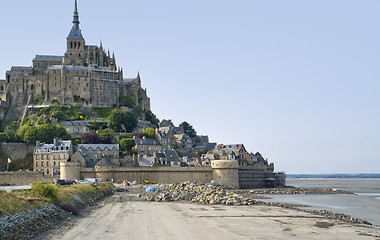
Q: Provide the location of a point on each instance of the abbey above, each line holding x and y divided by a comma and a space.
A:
84, 75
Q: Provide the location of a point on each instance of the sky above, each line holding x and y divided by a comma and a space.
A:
297, 81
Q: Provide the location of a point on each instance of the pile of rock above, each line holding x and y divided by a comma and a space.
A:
25, 225
195, 192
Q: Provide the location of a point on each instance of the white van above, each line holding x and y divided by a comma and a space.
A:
93, 180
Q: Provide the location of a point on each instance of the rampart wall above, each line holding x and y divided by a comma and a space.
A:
22, 178
157, 174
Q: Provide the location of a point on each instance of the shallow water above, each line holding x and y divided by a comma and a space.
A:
364, 203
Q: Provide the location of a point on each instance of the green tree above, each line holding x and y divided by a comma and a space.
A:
127, 144
130, 121
106, 135
44, 133
188, 129
115, 118
127, 101
150, 132
151, 117
118, 118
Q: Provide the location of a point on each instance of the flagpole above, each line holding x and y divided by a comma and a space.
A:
7, 166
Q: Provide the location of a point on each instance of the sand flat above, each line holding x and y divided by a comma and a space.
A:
120, 219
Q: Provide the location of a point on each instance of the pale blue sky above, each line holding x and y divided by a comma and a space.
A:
296, 80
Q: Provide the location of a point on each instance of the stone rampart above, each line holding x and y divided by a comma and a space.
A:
157, 174
22, 178
256, 177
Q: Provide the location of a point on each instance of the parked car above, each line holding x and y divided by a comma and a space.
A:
93, 180
63, 182
81, 181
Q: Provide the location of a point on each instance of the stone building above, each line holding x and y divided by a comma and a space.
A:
90, 154
76, 129
147, 146
47, 158
84, 75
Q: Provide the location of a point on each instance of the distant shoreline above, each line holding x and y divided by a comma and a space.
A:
341, 175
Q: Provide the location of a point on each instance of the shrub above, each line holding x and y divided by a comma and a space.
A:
48, 191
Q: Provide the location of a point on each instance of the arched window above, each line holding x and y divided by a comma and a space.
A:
71, 45
75, 45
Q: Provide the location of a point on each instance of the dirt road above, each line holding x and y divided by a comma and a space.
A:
123, 219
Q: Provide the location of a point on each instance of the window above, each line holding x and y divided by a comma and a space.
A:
47, 164
36, 164
54, 163
47, 171
37, 157
42, 157
42, 164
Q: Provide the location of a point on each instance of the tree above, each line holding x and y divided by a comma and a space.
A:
127, 101
44, 133
150, 132
91, 138
188, 129
106, 135
118, 118
127, 144
151, 117
115, 120
130, 121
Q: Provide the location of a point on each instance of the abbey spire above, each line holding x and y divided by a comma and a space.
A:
75, 30
76, 15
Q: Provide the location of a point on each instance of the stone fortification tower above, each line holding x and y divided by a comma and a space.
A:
70, 170
226, 172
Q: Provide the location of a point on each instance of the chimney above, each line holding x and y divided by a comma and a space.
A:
38, 143
157, 131
55, 141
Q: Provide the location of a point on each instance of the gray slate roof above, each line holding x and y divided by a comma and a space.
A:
90, 47
147, 141
75, 32
76, 124
20, 69
69, 67
102, 147
104, 162
172, 156
49, 58
61, 146
146, 161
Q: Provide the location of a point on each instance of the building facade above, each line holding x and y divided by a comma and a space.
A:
47, 158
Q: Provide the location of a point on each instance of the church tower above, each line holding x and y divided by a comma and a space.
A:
76, 53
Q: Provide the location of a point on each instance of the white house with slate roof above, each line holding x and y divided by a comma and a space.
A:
47, 158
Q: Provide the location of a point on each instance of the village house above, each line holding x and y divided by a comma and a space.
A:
47, 158
76, 129
90, 154
145, 146
167, 158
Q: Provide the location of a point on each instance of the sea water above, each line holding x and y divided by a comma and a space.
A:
364, 202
